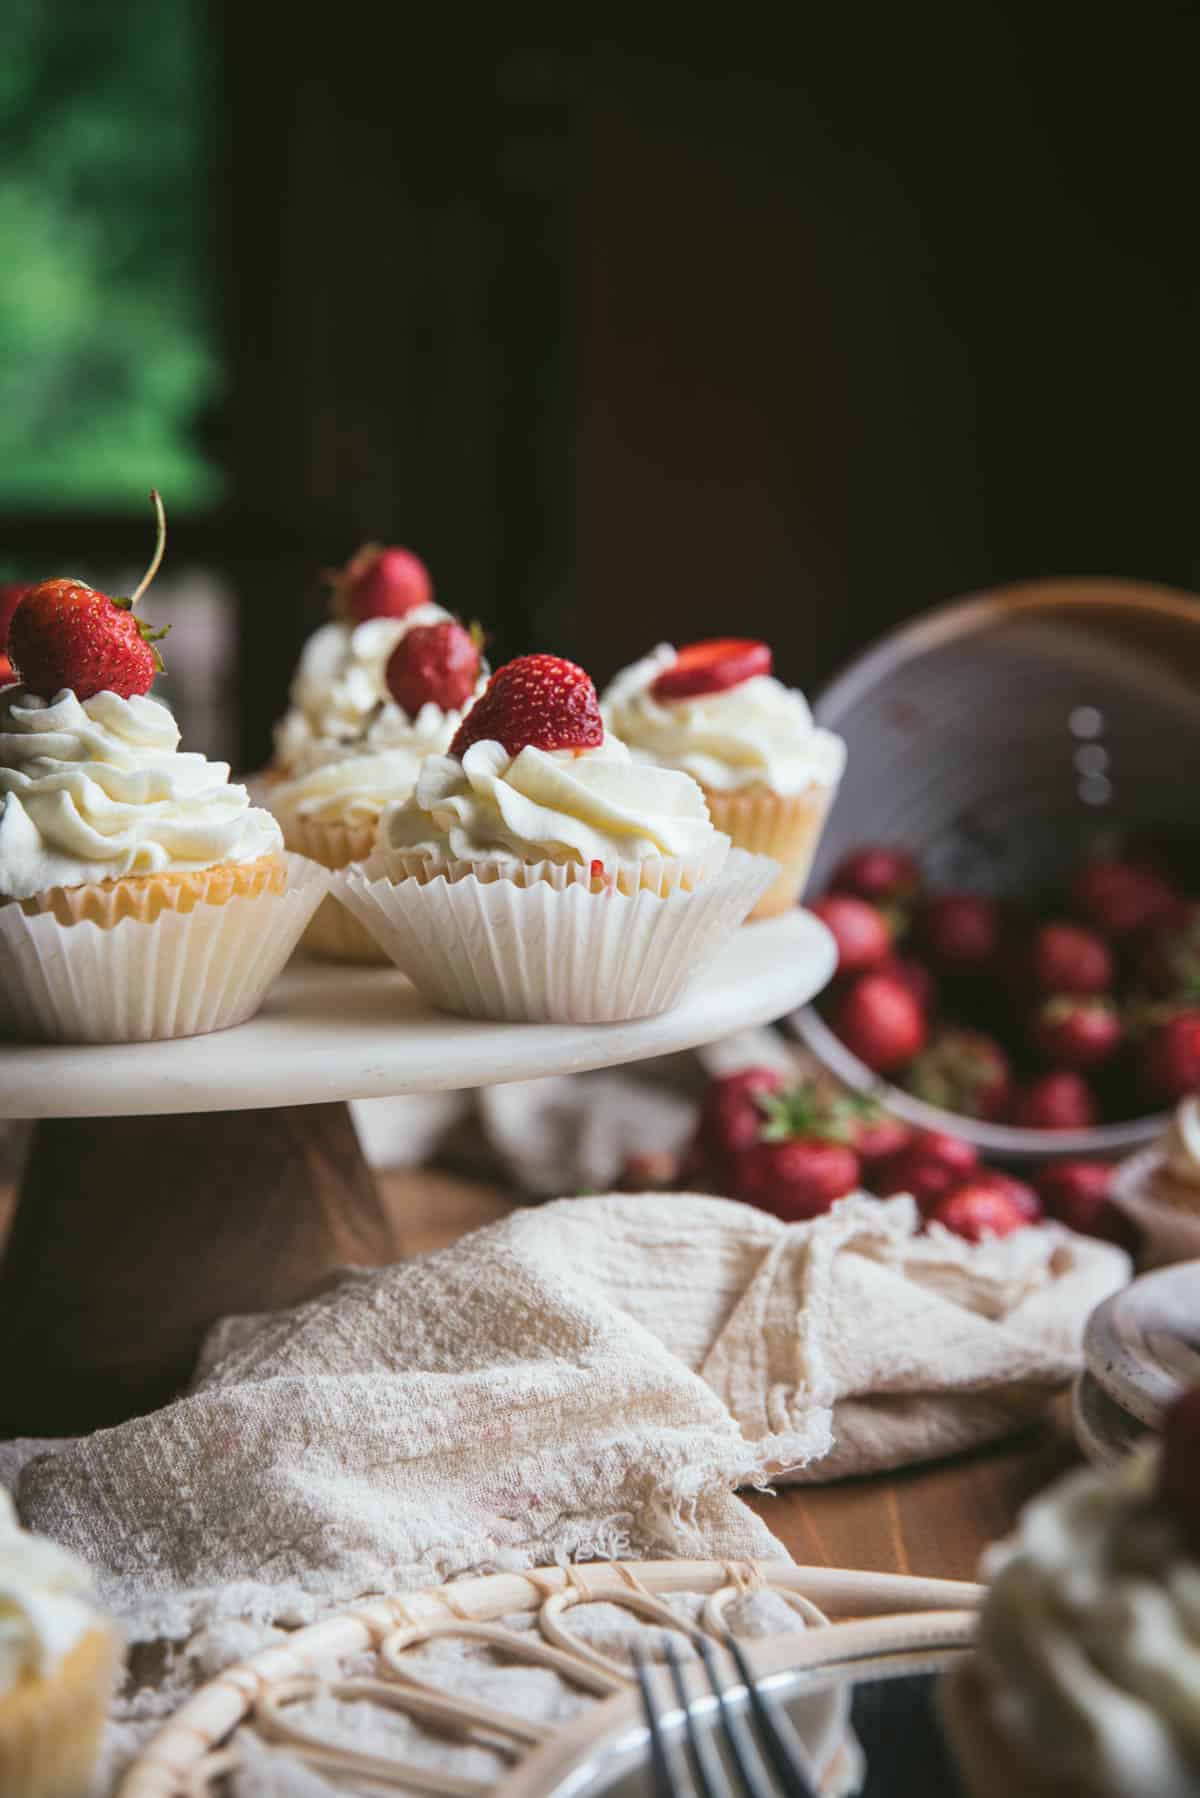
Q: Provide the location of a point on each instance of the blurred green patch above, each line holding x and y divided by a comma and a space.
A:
109, 361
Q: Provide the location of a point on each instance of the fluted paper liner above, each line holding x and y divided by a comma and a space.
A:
335, 933
786, 827
552, 950
51, 1723
181, 975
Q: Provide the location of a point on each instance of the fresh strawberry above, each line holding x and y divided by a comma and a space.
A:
1170, 959
64, 634
963, 1071
539, 702
711, 667
1122, 898
1075, 1032
1075, 1191
916, 976
1017, 1192
380, 583
433, 664
879, 1021
1170, 1055
962, 932
930, 1167
877, 872
978, 1210
11, 595
876, 1138
1067, 958
732, 1115
1059, 1101
797, 1178
1179, 1461
861, 932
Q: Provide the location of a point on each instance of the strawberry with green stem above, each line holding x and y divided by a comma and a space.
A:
66, 635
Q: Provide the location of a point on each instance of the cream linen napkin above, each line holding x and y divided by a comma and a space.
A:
591, 1378
594, 1377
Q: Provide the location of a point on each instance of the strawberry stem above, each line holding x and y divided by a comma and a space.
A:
159, 547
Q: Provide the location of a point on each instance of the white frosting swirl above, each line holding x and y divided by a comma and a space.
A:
1089, 1642
339, 682
98, 790
551, 805
347, 789
756, 733
44, 1601
1182, 1144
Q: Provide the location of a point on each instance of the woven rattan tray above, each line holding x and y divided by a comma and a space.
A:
881, 1617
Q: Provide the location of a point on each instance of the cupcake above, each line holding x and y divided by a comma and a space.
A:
330, 804
539, 872
1085, 1680
141, 894
715, 711
1160, 1190
340, 683
58, 1660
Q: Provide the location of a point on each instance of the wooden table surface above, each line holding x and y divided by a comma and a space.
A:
932, 1521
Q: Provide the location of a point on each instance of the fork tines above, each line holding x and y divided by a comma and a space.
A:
763, 1750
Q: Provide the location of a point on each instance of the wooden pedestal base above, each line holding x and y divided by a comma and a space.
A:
133, 1235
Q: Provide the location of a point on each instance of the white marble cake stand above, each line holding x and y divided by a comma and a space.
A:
172, 1183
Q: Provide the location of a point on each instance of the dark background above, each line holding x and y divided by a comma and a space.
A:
789, 329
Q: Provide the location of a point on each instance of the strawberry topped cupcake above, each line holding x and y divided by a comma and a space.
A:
715, 711
340, 686
141, 894
1085, 1681
538, 872
330, 803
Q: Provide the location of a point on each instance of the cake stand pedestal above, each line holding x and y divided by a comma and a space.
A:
169, 1184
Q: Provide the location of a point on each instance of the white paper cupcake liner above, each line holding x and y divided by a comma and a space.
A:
551, 951
182, 975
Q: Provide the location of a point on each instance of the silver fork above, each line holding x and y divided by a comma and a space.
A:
768, 1752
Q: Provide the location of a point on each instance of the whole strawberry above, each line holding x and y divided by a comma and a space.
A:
1170, 1055
963, 932
963, 1071
932, 1166
876, 1138
1122, 898
879, 1021
861, 932
917, 976
539, 702
1017, 1192
877, 872
381, 583
1075, 1032
732, 1114
11, 595
434, 664
1079, 1195
976, 1211
64, 634
1068, 958
797, 1178
1059, 1101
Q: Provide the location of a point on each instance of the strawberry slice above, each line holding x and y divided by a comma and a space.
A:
712, 666
538, 702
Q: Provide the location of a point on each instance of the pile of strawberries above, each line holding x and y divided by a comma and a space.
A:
1053, 1022
795, 1147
